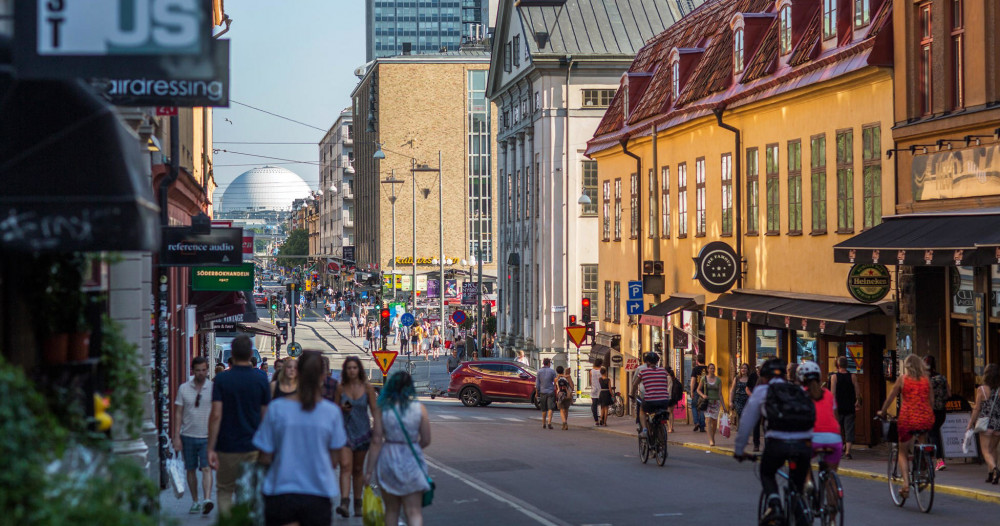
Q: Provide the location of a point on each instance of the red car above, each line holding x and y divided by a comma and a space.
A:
480, 383
260, 299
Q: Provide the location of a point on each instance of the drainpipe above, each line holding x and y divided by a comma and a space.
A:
569, 73
655, 185
738, 222
638, 245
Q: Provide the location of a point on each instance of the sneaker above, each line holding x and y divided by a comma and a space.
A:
940, 465
207, 506
195, 508
772, 514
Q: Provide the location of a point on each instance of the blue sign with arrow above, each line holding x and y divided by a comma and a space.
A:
407, 319
634, 307
635, 290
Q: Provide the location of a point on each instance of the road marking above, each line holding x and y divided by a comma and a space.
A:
512, 419
528, 510
667, 514
486, 418
448, 417
465, 501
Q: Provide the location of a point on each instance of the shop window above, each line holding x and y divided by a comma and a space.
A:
665, 199
957, 54
618, 209
682, 228
606, 220
995, 291
829, 18
872, 174
862, 13
962, 290
753, 192
653, 220
773, 199
727, 194
817, 162
699, 186
845, 181
795, 187
633, 203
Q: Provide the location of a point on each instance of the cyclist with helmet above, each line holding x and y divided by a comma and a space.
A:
787, 437
826, 431
656, 384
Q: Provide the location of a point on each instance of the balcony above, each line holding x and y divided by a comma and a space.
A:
348, 219
345, 191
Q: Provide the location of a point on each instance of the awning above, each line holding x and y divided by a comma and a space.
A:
598, 351
826, 317
936, 239
213, 306
608, 339
72, 175
513, 258
657, 314
259, 327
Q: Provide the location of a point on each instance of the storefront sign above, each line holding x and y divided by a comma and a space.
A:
979, 334
869, 283
407, 260
174, 92
717, 267
952, 434
950, 174
223, 278
248, 246
348, 254
469, 293
182, 248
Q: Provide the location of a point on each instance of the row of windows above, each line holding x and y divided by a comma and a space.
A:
793, 194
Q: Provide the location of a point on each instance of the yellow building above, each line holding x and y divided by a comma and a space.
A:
766, 136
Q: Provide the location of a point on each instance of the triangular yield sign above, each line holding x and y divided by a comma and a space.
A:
576, 334
385, 359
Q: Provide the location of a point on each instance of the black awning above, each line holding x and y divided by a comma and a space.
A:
72, 174
513, 258
655, 315
600, 351
926, 239
826, 317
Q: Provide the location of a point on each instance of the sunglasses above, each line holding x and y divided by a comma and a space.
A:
197, 400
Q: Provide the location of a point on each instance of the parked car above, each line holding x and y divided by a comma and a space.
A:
260, 299
482, 382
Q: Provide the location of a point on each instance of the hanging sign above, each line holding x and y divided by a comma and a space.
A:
223, 278
979, 333
469, 292
160, 90
717, 267
869, 283
182, 248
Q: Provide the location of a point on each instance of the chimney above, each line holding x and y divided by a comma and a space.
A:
407, 46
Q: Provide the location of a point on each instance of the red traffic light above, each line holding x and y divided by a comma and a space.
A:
385, 313
586, 302
572, 319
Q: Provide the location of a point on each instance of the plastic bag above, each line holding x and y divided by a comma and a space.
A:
372, 508
175, 469
969, 442
724, 428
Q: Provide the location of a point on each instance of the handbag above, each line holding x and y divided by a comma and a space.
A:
983, 422
428, 498
724, 427
703, 404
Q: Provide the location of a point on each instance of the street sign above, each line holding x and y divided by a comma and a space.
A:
634, 307
458, 317
385, 359
576, 334
295, 349
223, 278
406, 319
558, 308
635, 290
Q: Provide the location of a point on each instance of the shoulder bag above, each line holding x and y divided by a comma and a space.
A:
983, 422
429, 494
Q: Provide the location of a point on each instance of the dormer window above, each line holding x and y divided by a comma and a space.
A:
785, 29
738, 51
675, 79
830, 18
862, 13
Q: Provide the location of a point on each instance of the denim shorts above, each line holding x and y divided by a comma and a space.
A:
195, 452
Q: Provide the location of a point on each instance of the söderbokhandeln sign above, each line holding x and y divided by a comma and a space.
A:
181, 247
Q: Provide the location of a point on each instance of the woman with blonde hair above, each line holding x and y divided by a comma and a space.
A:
915, 411
286, 381
987, 405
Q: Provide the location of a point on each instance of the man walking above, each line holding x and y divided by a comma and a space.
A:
191, 436
595, 388
697, 372
453, 361
239, 399
844, 387
545, 386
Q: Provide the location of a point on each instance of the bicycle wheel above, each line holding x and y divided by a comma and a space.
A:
923, 478
643, 450
761, 505
894, 475
619, 405
831, 500
661, 445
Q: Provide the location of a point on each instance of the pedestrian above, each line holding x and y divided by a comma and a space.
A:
751, 385
521, 358
697, 373
400, 469
266, 370
710, 389
287, 382
564, 395
988, 406
191, 436
826, 430
738, 394
453, 361
436, 344
844, 386
356, 398
239, 400
404, 341
915, 411
939, 384
676, 395
369, 333
299, 440
415, 338
791, 373
327, 311
604, 395
595, 389
545, 386
330, 383
218, 369
459, 346
354, 325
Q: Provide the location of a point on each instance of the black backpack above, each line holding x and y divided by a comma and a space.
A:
676, 391
788, 408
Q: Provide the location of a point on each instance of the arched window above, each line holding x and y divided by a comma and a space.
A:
738, 51
785, 29
675, 79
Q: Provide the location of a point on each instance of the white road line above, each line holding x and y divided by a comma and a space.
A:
528, 510
448, 417
512, 419
486, 418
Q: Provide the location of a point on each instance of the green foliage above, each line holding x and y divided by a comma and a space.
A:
296, 244
58, 278
490, 325
125, 374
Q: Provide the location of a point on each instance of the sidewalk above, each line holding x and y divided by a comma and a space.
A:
963, 479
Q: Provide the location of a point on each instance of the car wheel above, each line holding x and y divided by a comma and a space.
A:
470, 397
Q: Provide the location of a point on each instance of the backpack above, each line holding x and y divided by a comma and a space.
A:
676, 391
788, 408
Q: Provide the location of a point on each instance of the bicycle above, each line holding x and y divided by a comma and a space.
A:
618, 405
823, 493
921, 470
655, 440
792, 504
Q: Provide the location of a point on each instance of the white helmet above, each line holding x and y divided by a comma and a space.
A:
808, 371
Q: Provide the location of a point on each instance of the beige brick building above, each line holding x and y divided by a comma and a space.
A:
414, 106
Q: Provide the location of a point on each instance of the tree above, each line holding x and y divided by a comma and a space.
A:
296, 244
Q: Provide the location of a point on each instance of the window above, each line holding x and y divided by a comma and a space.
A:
727, 194
597, 98
516, 54
653, 220
871, 160
753, 192
506, 58
845, 181
518, 205
527, 192
862, 14
480, 176
829, 18
795, 187
589, 178
607, 301
682, 194
817, 162
618, 209
618, 302
699, 190
633, 203
606, 220
926, 40
785, 29
957, 54
675, 79
537, 182
738, 51
773, 198
665, 200
588, 284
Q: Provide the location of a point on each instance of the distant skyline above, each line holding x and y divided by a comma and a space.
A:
295, 58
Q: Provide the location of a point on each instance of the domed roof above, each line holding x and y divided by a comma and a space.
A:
265, 188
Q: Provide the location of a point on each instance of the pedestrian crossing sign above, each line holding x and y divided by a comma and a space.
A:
385, 359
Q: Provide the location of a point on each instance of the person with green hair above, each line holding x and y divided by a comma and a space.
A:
400, 469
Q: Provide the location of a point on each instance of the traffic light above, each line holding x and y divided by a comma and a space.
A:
274, 302
585, 312
572, 319
384, 321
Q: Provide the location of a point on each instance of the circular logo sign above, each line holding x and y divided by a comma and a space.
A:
717, 267
406, 319
294, 349
617, 359
869, 283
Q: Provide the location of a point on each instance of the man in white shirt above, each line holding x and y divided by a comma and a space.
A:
595, 389
194, 403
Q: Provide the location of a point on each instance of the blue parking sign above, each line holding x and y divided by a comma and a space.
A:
635, 290
634, 307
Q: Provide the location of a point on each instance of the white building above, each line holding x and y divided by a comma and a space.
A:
336, 213
553, 73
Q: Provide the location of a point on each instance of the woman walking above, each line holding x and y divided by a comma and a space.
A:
916, 400
356, 398
286, 382
710, 389
987, 405
300, 438
564, 394
604, 397
436, 344
399, 468
939, 384
738, 394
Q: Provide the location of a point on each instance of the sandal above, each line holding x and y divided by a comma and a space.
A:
904, 492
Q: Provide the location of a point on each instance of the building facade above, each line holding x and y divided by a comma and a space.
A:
336, 186
395, 27
551, 85
764, 141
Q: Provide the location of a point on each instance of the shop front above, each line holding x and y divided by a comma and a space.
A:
677, 343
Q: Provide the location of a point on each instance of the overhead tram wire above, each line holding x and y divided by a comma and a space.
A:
222, 150
264, 142
278, 116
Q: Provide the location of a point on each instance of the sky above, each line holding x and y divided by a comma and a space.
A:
295, 58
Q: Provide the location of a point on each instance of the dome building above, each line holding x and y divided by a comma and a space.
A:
265, 189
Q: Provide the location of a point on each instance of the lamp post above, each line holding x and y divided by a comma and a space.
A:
392, 182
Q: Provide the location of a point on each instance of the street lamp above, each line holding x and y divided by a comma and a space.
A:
392, 182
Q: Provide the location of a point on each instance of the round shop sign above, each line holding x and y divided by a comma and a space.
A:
869, 283
717, 267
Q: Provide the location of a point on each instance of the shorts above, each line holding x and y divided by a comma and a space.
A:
547, 401
833, 458
653, 406
195, 451
566, 402
846, 426
305, 510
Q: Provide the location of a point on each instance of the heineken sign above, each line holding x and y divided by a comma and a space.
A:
869, 283
232, 279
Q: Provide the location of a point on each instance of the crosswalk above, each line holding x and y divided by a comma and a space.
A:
445, 418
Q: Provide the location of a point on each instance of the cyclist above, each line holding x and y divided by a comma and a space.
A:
656, 384
787, 438
826, 430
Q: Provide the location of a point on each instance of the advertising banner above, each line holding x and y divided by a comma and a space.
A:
433, 288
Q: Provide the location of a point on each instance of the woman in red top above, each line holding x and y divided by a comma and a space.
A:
826, 429
915, 411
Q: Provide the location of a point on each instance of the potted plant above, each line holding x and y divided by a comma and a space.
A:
59, 308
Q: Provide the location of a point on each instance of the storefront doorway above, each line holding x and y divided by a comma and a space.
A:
864, 359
